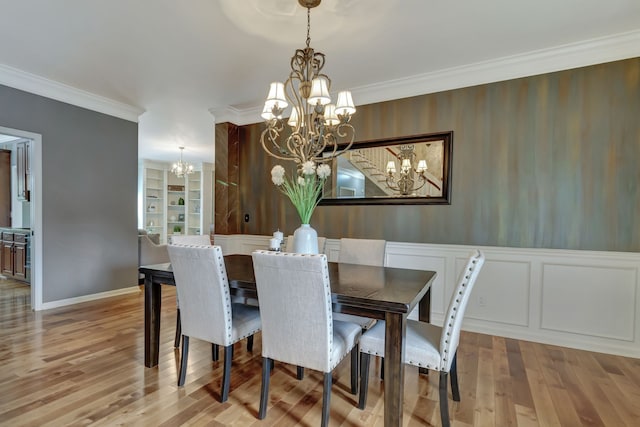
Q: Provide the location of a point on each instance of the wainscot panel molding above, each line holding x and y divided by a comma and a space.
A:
588, 300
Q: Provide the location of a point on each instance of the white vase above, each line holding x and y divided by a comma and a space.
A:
305, 240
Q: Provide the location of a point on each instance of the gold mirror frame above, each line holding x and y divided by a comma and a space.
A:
432, 187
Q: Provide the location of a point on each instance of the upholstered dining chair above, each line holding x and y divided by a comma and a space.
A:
197, 239
321, 244
206, 309
363, 252
297, 322
428, 346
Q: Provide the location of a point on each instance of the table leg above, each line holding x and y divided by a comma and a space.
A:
424, 308
394, 368
424, 315
152, 298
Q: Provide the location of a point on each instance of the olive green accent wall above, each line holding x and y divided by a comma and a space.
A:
549, 161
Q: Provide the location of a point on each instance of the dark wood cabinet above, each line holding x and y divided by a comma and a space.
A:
13, 255
20, 256
23, 169
7, 253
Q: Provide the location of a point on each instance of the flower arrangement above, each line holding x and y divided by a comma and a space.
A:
304, 192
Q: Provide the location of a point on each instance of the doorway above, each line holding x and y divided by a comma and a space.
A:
30, 213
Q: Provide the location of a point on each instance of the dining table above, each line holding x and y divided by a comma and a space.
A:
384, 293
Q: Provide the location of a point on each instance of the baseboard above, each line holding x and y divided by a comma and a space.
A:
92, 297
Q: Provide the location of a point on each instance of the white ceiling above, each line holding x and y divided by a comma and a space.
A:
199, 58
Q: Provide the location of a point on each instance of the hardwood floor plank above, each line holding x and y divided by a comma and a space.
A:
562, 403
505, 413
518, 374
83, 365
468, 371
484, 413
542, 401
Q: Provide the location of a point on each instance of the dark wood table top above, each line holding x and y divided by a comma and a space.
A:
358, 289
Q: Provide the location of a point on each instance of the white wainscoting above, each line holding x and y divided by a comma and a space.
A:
582, 299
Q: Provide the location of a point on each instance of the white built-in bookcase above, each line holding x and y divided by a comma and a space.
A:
170, 205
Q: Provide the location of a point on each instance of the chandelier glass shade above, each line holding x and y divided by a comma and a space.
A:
316, 130
411, 176
181, 168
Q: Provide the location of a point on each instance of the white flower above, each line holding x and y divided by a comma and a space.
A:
301, 181
277, 175
324, 171
308, 168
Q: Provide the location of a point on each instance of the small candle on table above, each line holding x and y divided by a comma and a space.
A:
274, 244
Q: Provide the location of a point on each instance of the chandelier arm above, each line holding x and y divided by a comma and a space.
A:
274, 129
391, 183
406, 183
424, 181
268, 150
344, 130
296, 142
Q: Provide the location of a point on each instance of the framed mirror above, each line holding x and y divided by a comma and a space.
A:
402, 170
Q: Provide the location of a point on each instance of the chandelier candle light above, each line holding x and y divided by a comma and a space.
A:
182, 168
406, 183
317, 129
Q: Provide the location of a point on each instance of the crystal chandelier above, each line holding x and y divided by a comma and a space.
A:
319, 130
182, 168
412, 177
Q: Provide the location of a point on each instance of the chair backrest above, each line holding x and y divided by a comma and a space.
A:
457, 306
321, 244
203, 290
197, 239
150, 252
295, 308
362, 251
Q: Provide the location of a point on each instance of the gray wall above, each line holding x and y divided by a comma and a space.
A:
549, 161
89, 193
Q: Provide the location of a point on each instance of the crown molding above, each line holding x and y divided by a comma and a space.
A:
32, 83
238, 116
574, 55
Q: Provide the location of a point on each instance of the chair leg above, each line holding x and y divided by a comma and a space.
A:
226, 374
382, 368
215, 354
176, 340
444, 401
183, 360
250, 343
355, 352
264, 391
453, 374
299, 372
365, 358
326, 399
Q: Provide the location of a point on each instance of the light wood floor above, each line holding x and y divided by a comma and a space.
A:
83, 365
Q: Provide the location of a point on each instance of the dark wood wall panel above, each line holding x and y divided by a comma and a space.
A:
227, 214
547, 161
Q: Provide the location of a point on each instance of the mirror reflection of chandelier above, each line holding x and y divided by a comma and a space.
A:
411, 177
182, 168
317, 126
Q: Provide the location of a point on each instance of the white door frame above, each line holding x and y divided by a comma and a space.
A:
36, 213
